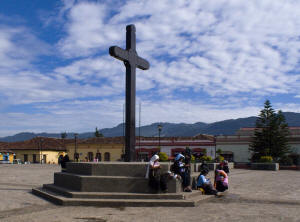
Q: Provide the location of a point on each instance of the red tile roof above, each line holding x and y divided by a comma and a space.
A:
36, 144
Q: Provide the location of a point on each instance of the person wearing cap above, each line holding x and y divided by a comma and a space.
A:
179, 168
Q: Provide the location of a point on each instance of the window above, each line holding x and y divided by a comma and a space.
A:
34, 158
98, 156
90, 156
106, 156
76, 156
25, 157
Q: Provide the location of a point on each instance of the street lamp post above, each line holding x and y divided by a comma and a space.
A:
41, 150
215, 141
159, 127
75, 153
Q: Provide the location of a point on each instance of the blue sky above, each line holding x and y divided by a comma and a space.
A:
210, 60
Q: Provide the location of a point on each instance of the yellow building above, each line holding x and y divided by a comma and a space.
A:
96, 149
6, 155
37, 150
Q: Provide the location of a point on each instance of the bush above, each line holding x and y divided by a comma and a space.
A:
193, 159
255, 157
286, 161
219, 159
266, 159
205, 158
296, 158
163, 157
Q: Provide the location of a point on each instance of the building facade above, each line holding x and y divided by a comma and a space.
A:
36, 150
237, 146
96, 149
199, 145
112, 148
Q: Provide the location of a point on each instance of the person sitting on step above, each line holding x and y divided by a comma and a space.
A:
205, 184
179, 168
157, 180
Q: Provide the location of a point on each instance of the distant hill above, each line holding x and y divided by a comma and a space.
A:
226, 127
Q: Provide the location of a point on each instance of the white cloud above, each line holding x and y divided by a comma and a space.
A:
84, 116
231, 46
232, 53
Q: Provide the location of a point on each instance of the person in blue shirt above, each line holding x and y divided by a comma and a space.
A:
205, 183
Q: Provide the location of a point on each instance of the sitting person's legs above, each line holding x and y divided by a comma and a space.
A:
208, 188
220, 186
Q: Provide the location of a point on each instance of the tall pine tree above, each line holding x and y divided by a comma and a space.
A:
98, 133
270, 136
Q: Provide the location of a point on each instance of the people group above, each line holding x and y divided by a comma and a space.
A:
181, 170
62, 160
220, 179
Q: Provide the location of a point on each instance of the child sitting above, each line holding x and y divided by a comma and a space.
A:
205, 184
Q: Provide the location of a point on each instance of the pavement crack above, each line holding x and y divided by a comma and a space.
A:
26, 210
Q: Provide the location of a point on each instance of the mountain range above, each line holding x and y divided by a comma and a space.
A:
226, 127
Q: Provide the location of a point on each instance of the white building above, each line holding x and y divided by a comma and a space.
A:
201, 144
237, 146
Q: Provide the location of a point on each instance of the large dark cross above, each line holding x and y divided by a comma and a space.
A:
131, 61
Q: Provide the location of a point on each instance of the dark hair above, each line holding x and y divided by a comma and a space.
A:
204, 171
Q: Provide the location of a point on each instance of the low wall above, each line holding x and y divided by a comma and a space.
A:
289, 167
211, 166
265, 166
242, 165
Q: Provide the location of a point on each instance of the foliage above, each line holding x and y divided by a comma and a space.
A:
163, 157
266, 159
219, 151
219, 159
270, 136
205, 158
63, 135
296, 158
193, 159
98, 133
286, 161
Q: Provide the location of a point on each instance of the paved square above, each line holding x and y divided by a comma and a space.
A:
253, 196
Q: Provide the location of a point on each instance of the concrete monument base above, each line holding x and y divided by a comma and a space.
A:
113, 184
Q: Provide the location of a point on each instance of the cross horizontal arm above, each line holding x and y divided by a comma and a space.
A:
118, 53
142, 63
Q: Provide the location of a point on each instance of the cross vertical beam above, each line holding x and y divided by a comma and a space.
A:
131, 61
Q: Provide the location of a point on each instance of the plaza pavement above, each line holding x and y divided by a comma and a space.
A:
253, 196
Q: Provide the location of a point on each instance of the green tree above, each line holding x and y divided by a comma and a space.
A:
63, 135
98, 133
270, 135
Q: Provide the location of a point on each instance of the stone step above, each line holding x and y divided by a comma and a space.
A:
121, 184
100, 202
106, 195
